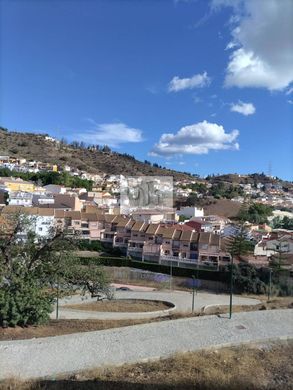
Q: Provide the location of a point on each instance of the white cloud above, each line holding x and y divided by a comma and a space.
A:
196, 81
243, 108
262, 43
198, 138
290, 90
112, 134
290, 101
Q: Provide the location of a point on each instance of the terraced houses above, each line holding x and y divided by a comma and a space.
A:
178, 244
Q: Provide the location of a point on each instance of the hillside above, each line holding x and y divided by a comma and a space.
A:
37, 147
223, 207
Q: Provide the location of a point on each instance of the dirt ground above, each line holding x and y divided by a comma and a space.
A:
249, 367
124, 305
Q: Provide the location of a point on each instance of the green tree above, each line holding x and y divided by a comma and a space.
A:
238, 244
282, 223
31, 267
255, 213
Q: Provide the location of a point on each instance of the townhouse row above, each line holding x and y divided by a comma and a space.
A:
178, 244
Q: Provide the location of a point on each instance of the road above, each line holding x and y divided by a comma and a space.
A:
48, 357
182, 301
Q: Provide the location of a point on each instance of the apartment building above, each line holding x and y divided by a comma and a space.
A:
137, 239
208, 224
20, 198
16, 184
123, 234
179, 243
109, 233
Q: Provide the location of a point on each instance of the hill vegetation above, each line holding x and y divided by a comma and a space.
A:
94, 159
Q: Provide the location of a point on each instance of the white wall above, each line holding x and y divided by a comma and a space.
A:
190, 212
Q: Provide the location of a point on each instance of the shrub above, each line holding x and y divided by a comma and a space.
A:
24, 303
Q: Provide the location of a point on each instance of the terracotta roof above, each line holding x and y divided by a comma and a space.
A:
152, 228
186, 235
91, 217
195, 236
73, 215
125, 222
177, 234
110, 218
204, 238
45, 212
59, 213
140, 226
215, 239
168, 232
12, 209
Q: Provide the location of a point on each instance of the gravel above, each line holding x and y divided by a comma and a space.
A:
48, 357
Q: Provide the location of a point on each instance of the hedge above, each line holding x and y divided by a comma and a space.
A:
163, 269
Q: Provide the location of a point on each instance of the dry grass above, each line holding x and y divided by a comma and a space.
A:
61, 327
257, 367
121, 305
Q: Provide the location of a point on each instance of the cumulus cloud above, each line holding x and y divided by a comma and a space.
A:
198, 138
262, 45
112, 134
196, 81
243, 108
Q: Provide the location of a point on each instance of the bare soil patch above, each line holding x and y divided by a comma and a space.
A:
61, 327
121, 305
254, 367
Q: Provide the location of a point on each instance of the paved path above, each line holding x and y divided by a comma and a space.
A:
182, 301
71, 353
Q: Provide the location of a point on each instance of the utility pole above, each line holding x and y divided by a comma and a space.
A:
270, 285
193, 285
231, 288
171, 275
57, 302
197, 277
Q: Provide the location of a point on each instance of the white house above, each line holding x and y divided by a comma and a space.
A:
190, 212
55, 189
20, 198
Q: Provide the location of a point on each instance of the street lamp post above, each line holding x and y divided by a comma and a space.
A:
231, 288
57, 300
171, 275
193, 285
270, 285
196, 276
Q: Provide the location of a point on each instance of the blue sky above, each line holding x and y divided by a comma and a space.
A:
195, 85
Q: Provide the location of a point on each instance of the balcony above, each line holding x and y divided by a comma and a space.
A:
135, 249
106, 239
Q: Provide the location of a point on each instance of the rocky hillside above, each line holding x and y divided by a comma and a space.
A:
37, 147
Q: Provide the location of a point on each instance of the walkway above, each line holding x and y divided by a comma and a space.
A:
181, 299
71, 353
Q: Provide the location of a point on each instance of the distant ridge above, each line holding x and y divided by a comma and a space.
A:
40, 147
